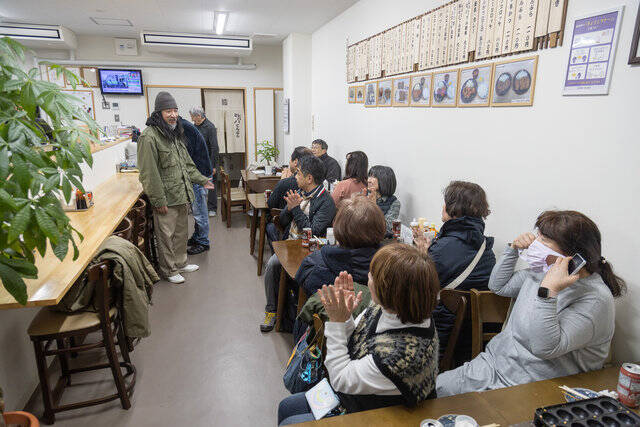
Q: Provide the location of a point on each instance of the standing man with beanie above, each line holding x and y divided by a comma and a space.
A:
210, 134
166, 174
334, 173
197, 149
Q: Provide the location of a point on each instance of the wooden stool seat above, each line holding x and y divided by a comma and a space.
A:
238, 195
50, 322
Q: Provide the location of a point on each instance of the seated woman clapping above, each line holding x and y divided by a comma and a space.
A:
389, 354
561, 323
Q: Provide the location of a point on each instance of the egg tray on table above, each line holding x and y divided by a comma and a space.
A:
600, 411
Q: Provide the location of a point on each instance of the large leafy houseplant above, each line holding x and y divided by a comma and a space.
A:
32, 177
267, 151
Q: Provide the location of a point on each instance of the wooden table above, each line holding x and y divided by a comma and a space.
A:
290, 253
260, 208
505, 406
257, 183
113, 199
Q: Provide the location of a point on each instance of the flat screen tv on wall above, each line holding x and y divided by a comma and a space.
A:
120, 82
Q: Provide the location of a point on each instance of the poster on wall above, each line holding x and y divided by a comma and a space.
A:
351, 94
445, 88
370, 94
84, 99
385, 90
593, 50
420, 90
514, 82
475, 86
359, 94
401, 91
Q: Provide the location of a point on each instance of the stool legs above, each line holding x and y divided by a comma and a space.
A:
64, 361
41, 361
115, 366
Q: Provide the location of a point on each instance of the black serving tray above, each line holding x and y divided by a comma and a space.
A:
600, 411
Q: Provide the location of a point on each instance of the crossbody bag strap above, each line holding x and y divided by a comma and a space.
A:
463, 276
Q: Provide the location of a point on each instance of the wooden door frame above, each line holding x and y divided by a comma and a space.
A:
202, 88
255, 117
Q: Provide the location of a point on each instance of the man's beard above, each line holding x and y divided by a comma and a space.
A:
172, 126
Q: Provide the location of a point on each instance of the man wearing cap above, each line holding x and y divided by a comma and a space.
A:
167, 173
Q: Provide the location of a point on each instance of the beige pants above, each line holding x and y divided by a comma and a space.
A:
171, 231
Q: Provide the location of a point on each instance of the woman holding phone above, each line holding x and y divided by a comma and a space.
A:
561, 323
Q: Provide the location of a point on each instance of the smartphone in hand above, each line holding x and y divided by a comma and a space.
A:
576, 263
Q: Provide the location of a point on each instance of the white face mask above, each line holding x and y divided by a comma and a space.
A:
536, 256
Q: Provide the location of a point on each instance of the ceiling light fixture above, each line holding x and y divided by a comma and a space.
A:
220, 21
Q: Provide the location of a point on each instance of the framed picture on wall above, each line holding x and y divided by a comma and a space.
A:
370, 90
359, 94
351, 94
90, 75
420, 95
634, 55
514, 82
475, 86
54, 77
385, 92
401, 91
85, 100
445, 88
74, 70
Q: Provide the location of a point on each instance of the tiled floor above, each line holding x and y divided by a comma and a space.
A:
206, 362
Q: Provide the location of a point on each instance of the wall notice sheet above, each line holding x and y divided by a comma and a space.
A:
425, 41
542, 22
462, 40
483, 14
473, 20
498, 28
451, 38
524, 26
433, 57
417, 25
592, 54
509, 20
445, 34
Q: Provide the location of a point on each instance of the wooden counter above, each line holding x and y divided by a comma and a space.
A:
99, 147
113, 199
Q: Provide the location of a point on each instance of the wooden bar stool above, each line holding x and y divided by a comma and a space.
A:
231, 197
125, 230
49, 326
149, 236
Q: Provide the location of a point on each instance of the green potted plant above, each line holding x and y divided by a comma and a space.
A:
39, 164
268, 152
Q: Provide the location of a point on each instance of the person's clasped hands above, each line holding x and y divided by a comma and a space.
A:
340, 299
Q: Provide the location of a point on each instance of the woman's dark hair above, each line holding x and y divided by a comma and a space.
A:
576, 233
405, 282
465, 199
314, 166
359, 223
386, 179
357, 166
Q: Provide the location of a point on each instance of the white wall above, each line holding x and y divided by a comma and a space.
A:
296, 74
564, 152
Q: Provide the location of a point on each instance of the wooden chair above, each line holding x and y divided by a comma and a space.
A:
456, 303
137, 215
50, 326
125, 230
230, 197
486, 307
149, 233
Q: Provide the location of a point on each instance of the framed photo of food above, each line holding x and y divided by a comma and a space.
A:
445, 88
420, 95
514, 82
401, 91
385, 92
475, 86
359, 94
370, 90
351, 96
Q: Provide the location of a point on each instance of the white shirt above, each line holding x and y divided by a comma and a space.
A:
360, 376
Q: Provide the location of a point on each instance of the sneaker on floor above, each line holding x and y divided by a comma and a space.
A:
189, 268
176, 279
191, 242
212, 213
269, 322
197, 249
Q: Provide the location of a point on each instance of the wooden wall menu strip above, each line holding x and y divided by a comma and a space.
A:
113, 199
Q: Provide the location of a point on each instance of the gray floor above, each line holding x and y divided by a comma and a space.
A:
206, 362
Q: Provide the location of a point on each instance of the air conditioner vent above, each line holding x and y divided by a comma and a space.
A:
40, 36
197, 43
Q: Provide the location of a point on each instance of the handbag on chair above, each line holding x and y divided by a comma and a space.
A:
304, 368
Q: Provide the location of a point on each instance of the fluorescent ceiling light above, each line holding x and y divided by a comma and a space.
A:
221, 21
116, 22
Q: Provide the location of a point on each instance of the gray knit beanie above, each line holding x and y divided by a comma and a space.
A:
164, 101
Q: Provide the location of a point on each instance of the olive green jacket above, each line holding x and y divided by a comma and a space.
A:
166, 170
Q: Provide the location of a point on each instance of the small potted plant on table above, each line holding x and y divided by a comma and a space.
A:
268, 152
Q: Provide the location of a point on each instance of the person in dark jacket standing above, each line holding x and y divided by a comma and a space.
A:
334, 172
210, 134
313, 208
197, 148
460, 238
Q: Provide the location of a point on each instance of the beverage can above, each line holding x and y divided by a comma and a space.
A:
629, 385
331, 238
306, 236
267, 193
397, 229
313, 245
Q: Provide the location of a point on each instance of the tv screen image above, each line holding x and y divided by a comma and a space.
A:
120, 82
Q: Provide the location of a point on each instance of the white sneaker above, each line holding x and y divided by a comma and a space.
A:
212, 213
189, 268
176, 279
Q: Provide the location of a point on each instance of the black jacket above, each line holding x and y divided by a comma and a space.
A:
321, 213
452, 252
197, 147
276, 199
210, 134
323, 266
334, 173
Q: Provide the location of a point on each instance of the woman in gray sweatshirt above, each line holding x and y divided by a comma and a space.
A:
561, 324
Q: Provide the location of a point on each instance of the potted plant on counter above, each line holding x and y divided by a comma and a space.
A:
268, 152
39, 164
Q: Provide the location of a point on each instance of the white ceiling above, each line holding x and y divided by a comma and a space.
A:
273, 18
